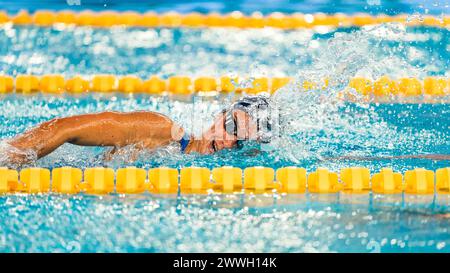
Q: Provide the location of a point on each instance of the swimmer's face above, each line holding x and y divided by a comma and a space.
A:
217, 138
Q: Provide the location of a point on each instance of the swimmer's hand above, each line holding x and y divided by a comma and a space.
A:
11, 156
129, 153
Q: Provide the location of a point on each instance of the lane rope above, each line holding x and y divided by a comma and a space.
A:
199, 180
182, 85
46, 18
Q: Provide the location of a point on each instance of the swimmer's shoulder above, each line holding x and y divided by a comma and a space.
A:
157, 126
148, 114
134, 116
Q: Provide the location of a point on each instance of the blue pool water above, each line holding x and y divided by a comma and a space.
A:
318, 126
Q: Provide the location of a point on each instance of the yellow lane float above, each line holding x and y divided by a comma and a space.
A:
236, 19
66, 180
419, 181
9, 180
130, 84
291, 179
180, 85
227, 179
438, 87
6, 84
34, 180
443, 180
104, 83
98, 180
77, 85
387, 182
154, 85
323, 181
205, 84
259, 179
27, 84
131, 180
199, 180
355, 180
195, 180
52, 84
163, 180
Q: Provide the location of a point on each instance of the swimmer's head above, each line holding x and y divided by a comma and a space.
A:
257, 108
246, 119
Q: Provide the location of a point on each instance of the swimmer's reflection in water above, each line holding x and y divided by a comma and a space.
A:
247, 119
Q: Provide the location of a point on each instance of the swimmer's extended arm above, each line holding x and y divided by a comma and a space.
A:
102, 129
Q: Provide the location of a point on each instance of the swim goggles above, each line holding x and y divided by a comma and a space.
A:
231, 127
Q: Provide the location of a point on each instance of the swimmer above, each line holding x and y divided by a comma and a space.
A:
247, 119
144, 130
